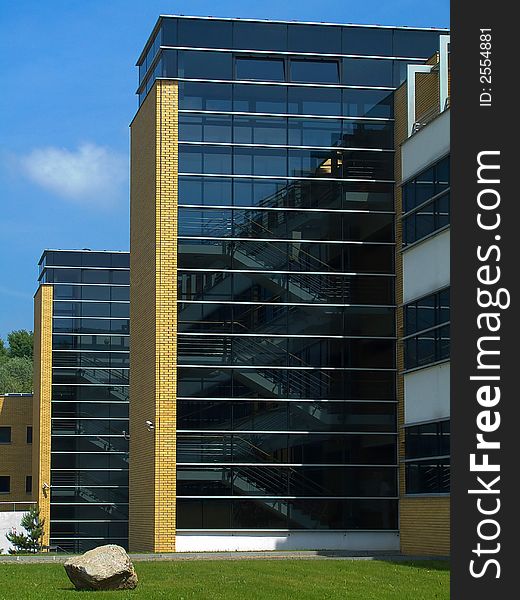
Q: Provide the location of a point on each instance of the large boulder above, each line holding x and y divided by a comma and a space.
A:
103, 568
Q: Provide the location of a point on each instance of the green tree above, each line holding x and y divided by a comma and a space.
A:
31, 541
20, 343
16, 375
3, 351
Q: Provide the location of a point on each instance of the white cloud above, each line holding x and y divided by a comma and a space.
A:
88, 175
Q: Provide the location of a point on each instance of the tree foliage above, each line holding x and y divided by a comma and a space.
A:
16, 363
16, 376
20, 343
31, 540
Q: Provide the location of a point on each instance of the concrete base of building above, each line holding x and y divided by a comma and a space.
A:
220, 541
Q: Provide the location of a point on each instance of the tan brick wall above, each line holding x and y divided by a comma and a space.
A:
16, 457
153, 307
42, 386
427, 94
425, 526
424, 522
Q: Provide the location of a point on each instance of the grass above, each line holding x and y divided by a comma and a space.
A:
244, 580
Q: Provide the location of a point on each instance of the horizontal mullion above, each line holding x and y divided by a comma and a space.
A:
108, 333
288, 209
283, 146
78, 351
209, 432
86, 269
425, 366
251, 302
285, 497
86, 520
106, 385
88, 504
104, 318
256, 464
288, 53
283, 368
423, 331
91, 301
279, 83
425, 203
288, 115
91, 419
426, 459
89, 368
69, 487
286, 178
87, 284
295, 400
283, 240
90, 402
74, 470
288, 335
275, 272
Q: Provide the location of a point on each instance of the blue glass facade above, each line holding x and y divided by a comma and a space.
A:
286, 312
89, 432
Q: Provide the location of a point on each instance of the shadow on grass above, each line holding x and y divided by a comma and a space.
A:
436, 564
431, 563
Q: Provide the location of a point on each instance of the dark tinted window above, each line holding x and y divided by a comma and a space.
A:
205, 128
260, 98
364, 40
168, 66
367, 135
205, 96
261, 69
314, 132
169, 32
365, 71
367, 103
205, 159
205, 65
5, 435
260, 130
255, 36
417, 44
314, 71
427, 458
205, 33
427, 184
29, 435
205, 190
260, 161
314, 101
314, 38
5, 484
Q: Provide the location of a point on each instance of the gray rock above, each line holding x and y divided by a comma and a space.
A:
103, 568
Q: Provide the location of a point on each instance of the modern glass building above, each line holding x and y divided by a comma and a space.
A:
82, 361
263, 258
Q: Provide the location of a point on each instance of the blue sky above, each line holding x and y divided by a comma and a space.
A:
69, 81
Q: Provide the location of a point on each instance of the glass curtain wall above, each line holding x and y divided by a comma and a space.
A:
90, 361
286, 337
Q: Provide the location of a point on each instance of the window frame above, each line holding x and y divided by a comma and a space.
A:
5, 479
9, 430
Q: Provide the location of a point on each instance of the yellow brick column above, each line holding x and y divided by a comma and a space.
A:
153, 306
166, 306
42, 382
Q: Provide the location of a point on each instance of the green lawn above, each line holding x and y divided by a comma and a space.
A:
245, 580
